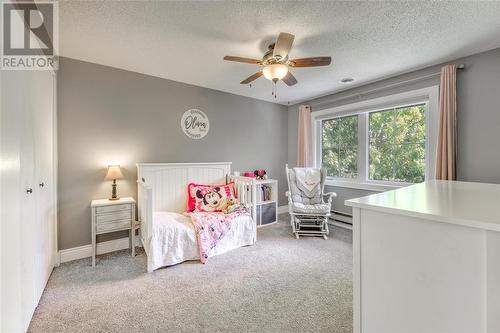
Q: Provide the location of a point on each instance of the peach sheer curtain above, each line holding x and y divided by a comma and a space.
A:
304, 142
447, 139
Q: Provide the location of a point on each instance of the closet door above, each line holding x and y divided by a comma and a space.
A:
14, 273
28, 200
27, 237
43, 121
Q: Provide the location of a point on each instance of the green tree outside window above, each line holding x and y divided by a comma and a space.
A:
397, 144
340, 146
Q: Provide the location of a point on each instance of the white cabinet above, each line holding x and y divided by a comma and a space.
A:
28, 193
427, 259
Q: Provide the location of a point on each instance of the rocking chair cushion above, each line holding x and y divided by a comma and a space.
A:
320, 209
302, 195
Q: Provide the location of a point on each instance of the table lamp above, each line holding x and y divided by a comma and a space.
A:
114, 173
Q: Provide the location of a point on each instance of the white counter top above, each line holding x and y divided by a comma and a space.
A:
470, 204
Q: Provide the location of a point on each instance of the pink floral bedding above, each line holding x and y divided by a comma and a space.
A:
211, 227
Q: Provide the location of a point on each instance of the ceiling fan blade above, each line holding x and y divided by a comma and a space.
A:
283, 45
244, 60
310, 62
252, 77
289, 79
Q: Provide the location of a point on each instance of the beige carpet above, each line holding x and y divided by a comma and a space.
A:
279, 285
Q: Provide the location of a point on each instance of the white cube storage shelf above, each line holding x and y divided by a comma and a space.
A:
267, 210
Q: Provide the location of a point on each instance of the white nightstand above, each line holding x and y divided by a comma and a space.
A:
110, 216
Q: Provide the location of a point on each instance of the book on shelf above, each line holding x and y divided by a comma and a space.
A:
266, 193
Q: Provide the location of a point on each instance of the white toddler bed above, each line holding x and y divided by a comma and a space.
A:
168, 236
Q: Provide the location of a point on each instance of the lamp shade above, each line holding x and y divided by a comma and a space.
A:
275, 71
114, 172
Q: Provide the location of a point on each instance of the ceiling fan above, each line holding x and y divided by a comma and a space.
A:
277, 64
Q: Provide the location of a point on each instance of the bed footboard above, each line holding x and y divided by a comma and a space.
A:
246, 192
145, 198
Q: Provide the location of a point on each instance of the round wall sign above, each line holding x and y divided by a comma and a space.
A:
195, 123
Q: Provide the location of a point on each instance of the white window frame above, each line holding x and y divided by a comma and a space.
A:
429, 96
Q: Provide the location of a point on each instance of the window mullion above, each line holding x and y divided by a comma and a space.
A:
318, 142
338, 139
363, 147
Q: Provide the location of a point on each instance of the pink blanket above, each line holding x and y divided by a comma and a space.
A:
211, 227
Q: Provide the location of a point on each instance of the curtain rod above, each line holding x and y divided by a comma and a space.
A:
460, 67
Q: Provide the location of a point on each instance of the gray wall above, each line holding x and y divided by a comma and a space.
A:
107, 115
478, 118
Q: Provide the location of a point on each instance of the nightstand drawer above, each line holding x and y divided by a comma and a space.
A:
115, 216
112, 209
113, 226
111, 216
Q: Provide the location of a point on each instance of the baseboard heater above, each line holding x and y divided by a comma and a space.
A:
341, 217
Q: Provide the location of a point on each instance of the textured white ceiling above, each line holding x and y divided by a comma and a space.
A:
186, 41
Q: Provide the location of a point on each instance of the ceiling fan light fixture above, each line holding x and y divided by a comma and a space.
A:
276, 62
275, 71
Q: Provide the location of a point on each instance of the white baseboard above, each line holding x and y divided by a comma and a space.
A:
340, 224
85, 251
283, 209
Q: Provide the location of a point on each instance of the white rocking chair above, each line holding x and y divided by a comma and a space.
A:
309, 212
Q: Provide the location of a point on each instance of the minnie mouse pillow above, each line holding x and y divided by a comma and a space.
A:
209, 198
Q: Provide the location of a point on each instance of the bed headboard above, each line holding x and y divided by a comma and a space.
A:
168, 181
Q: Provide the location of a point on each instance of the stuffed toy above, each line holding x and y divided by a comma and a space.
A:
260, 174
231, 205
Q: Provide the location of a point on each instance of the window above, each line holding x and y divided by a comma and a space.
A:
340, 146
397, 144
379, 144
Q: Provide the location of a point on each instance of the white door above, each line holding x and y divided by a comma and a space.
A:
13, 200
42, 107
28, 190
